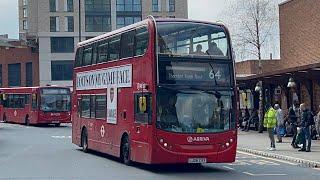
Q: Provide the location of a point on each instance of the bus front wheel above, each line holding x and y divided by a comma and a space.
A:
84, 140
125, 151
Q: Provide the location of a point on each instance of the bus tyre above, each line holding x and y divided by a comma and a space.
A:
84, 140
126, 151
4, 118
27, 121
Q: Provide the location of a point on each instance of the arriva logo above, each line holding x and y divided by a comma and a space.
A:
191, 139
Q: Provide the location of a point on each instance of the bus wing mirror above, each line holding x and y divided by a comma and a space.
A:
142, 104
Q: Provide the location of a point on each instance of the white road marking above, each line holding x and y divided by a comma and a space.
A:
227, 167
251, 174
61, 137
318, 169
272, 159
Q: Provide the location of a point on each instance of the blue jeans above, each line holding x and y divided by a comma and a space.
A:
307, 135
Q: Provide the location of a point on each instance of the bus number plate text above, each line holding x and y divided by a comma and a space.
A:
197, 160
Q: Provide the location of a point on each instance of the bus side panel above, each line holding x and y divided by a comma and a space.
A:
76, 129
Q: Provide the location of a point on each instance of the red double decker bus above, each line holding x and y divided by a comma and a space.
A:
159, 91
36, 105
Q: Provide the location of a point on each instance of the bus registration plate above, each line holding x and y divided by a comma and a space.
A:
197, 160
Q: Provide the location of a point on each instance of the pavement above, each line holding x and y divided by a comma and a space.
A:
258, 143
28, 152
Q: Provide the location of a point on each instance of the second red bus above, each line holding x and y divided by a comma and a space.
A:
36, 105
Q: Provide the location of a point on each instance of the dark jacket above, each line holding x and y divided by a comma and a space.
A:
306, 118
292, 116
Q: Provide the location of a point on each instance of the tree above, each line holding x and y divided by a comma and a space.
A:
252, 23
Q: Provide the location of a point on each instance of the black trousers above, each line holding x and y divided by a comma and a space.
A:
294, 133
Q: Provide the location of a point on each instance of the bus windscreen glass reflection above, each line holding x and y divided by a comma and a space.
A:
194, 111
185, 38
55, 100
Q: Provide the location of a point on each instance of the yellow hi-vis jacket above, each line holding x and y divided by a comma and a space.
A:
270, 120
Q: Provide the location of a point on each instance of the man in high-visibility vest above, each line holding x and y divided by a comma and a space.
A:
270, 122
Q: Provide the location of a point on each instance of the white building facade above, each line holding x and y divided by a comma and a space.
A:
53, 26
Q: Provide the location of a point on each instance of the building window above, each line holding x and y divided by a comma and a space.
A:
128, 12
98, 23
62, 44
54, 24
68, 6
129, 5
14, 75
29, 78
25, 24
172, 5
0, 75
98, 15
155, 6
25, 2
53, 5
69, 24
97, 6
61, 70
125, 21
25, 12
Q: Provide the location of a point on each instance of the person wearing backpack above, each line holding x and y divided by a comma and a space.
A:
306, 122
293, 119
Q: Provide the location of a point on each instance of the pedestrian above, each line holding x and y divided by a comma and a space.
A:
254, 118
306, 122
293, 118
270, 122
318, 122
245, 119
280, 122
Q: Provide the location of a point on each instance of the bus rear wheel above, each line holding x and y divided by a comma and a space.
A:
125, 151
27, 121
84, 140
4, 118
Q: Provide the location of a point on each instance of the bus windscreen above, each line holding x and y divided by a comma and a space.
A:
185, 38
55, 100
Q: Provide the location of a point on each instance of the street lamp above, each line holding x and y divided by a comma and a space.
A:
258, 89
291, 83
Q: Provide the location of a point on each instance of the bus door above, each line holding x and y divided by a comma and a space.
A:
142, 131
1, 105
34, 107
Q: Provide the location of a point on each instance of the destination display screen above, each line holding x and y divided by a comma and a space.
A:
47, 91
191, 73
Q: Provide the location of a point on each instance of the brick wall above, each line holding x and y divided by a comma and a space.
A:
299, 32
19, 55
252, 66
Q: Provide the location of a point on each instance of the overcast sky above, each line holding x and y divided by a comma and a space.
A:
198, 9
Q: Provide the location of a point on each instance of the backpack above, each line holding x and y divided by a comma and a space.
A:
310, 118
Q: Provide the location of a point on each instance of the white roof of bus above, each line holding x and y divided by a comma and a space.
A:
103, 36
